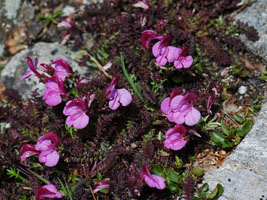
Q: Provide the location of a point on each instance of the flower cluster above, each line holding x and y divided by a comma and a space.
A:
179, 109
165, 53
47, 145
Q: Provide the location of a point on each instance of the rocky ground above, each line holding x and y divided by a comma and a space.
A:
244, 173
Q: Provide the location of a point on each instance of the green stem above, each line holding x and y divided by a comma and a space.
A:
38, 176
130, 80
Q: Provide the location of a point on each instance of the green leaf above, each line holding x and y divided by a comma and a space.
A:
224, 128
238, 118
156, 170
216, 193
197, 171
227, 144
172, 175
245, 128
172, 187
217, 138
38, 176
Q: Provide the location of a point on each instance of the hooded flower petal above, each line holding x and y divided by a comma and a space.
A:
142, 4
45, 141
152, 180
101, 185
27, 150
148, 36
32, 70
47, 191
76, 112
62, 69
174, 138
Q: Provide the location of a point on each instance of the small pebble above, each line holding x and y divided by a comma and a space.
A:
242, 90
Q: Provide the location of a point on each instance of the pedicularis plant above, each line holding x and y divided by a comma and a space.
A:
130, 132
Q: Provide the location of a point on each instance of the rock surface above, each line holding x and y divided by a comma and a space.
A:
256, 16
46, 53
244, 172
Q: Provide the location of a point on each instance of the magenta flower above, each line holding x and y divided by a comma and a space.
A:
47, 144
160, 50
76, 112
54, 90
174, 138
47, 191
62, 69
117, 96
180, 108
152, 180
183, 61
27, 150
142, 4
148, 36
32, 70
101, 185
65, 23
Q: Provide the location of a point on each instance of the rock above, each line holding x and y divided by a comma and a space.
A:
46, 53
256, 16
68, 10
244, 172
11, 9
242, 90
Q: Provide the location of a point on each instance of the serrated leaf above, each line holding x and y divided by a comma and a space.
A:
216, 193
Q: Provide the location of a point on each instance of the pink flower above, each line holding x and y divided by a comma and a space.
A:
148, 36
117, 96
174, 138
47, 144
152, 180
62, 69
180, 108
65, 23
142, 4
160, 50
32, 70
27, 150
101, 185
183, 61
76, 112
48, 155
54, 90
47, 191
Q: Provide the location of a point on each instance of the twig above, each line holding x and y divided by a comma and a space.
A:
99, 66
92, 192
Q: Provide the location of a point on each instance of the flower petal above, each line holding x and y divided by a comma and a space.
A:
124, 96
192, 117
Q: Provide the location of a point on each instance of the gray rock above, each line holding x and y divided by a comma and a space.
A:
256, 16
11, 8
46, 53
244, 173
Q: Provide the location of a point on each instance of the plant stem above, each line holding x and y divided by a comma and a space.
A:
130, 80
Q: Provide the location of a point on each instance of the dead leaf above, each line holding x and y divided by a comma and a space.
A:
260, 67
17, 40
248, 65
